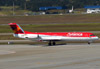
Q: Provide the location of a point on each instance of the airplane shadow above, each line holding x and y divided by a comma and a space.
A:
61, 44
45, 45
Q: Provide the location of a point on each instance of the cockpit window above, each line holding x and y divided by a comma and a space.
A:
92, 35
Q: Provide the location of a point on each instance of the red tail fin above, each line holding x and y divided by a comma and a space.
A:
16, 28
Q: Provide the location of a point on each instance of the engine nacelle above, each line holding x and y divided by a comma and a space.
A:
34, 36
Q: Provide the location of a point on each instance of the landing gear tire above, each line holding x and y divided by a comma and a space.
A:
89, 43
54, 43
51, 43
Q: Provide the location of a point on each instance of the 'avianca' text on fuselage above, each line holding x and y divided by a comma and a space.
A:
52, 37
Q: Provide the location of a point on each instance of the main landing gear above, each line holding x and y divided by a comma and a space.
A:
51, 43
89, 43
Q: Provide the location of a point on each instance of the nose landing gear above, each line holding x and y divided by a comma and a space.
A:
89, 43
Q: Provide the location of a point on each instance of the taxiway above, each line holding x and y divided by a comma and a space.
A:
71, 56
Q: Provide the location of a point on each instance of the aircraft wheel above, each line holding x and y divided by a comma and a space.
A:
49, 43
89, 43
54, 43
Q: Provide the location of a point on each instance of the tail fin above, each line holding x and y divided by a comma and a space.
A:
16, 28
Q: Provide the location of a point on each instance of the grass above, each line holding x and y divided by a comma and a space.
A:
9, 37
62, 27
46, 19
6, 14
55, 27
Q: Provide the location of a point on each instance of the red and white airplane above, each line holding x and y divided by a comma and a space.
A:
52, 37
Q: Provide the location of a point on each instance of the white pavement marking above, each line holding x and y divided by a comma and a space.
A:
3, 52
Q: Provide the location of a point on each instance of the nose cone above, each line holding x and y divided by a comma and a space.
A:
96, 37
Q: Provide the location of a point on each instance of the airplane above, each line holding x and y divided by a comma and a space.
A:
52, 37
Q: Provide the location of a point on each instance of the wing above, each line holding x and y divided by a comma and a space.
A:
50, 38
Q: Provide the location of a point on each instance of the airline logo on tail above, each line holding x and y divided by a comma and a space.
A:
16, 28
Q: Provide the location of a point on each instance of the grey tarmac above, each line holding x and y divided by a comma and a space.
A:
70, 56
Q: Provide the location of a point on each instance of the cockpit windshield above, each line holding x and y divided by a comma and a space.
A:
92, 35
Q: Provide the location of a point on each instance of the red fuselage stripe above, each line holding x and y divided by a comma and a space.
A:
66, 34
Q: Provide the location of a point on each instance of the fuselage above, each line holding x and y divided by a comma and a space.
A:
58, 36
